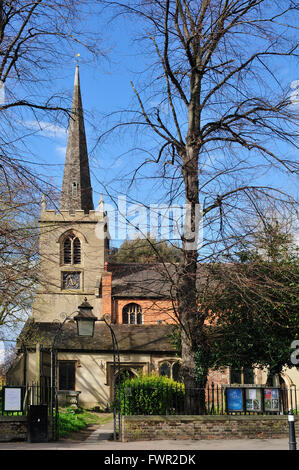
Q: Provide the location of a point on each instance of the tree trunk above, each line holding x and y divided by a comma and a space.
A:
189, 314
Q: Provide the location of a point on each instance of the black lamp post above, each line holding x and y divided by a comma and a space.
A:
116, 373
85, 320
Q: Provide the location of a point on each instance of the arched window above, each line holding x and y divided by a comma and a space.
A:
71, 250
171, 369
132, 314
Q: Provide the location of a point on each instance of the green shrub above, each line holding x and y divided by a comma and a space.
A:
69, 422
72, 420
150, 395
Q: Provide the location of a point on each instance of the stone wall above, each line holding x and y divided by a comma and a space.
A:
136, 428
13, 428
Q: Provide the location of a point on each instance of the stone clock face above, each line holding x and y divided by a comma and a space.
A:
71, 280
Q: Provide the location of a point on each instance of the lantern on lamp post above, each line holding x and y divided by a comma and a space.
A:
85, 320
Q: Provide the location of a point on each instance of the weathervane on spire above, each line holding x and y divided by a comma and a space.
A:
77, 58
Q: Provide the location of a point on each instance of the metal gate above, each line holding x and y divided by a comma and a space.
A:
41, 406
38, 423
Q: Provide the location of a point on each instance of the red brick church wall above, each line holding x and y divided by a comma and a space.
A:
152, 310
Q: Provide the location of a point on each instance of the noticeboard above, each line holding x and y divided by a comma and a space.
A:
253, 399
12, 398
234, 399
271, 399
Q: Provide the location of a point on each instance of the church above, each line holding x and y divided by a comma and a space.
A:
133, 298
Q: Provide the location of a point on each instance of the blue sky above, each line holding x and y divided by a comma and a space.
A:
106, 89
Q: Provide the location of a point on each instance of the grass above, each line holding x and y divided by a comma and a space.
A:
74, 420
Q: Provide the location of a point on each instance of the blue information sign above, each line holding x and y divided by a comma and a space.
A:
234, 399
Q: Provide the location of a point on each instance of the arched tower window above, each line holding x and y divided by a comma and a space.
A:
71, 252
132, 314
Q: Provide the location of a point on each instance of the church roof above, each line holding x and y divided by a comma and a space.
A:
131, 338
76, 191
142, 280
148, 280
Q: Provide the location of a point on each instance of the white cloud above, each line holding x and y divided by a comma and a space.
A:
294, 96
47, 129
61, 149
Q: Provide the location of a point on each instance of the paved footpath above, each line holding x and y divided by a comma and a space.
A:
185, 445
101, 439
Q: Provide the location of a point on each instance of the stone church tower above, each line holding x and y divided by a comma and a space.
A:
72, 243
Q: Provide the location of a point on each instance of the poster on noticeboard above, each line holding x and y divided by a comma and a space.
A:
253, 399
234, 397
271, 399
12, 398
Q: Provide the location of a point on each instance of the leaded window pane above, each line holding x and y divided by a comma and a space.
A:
67, 251
132, 318
77, 251
139, 318
125, 317
165, 369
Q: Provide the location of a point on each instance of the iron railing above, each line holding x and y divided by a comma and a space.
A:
177, 400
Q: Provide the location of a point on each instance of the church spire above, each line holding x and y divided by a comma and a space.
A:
76, 187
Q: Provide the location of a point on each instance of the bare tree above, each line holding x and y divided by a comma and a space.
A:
37, 39
229, 124
7, 361
19, 260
